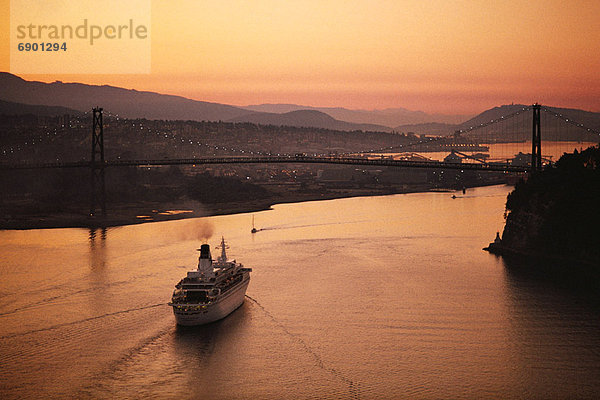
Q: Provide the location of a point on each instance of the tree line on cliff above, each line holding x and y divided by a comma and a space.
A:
557, 211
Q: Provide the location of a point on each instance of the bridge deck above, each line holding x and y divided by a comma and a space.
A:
384, 162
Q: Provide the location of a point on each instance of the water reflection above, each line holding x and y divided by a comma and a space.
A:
97, 248
210, 354
198, 342
93, 236
569, 278
554, 324
193, 343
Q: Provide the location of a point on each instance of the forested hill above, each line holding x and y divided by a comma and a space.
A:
557, 212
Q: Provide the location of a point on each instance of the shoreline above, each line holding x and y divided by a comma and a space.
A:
509, 253
140, 213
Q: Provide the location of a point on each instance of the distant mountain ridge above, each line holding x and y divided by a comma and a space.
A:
390, 117
587, 118
429, 128
307, 118
12, 108
131, 103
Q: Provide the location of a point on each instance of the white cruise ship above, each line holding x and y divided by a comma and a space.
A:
212, 291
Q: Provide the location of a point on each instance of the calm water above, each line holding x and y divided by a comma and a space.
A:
365, 298
503, 151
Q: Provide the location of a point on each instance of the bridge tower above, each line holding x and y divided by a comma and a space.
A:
98, 188
536, 140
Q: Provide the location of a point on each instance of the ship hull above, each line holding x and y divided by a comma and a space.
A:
198, 314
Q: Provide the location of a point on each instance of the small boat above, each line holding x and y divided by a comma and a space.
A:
253, 230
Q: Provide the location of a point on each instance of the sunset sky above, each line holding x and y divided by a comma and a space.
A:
453, 57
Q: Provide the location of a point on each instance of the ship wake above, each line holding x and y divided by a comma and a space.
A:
81, 321
287, 226
352, 386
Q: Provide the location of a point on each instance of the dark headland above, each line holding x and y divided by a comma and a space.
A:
555, 214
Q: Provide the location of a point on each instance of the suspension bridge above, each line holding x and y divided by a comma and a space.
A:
283, 159
523, 126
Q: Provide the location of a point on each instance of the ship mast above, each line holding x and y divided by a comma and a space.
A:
223, 257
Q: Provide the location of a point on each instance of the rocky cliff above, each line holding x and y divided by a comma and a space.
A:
556, 213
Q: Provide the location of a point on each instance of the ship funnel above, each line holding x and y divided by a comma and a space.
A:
205, 251
205, 260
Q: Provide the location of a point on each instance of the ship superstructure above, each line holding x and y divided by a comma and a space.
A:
212, 291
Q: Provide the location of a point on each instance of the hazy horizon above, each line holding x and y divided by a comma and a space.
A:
440, 57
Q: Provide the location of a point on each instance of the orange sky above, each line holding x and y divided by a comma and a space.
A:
437, 56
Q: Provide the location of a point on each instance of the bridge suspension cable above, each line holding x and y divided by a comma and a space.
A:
495, 121
571, 121
428, 140
487, 134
